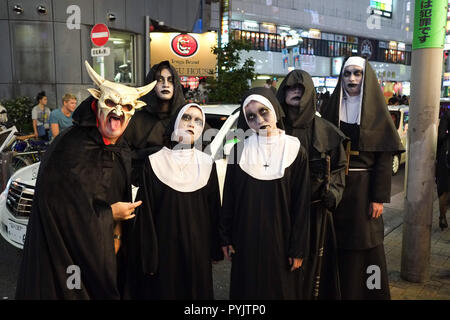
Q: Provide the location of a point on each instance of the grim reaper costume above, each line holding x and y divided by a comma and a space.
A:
366, 120
321, 139
181, 201
71, 223
265, 209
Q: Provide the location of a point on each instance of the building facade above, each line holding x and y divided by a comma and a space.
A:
45, 42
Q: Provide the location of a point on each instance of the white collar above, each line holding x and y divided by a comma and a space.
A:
186, 170
266, 158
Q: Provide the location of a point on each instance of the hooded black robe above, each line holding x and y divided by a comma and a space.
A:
320, 138
71, 222
186, 227
266, 221
145, 131
360, 237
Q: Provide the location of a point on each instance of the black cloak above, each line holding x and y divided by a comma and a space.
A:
377, 131
71, 222
321, 138
266, 221
186, 226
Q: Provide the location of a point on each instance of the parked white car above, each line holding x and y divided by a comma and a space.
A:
17, 198
400, 116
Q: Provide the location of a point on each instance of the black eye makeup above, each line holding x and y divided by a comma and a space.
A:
356, 73
262, 111
187, 117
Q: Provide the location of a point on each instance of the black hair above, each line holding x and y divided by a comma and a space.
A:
40, 95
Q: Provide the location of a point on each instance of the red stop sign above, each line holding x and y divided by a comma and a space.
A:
99, 34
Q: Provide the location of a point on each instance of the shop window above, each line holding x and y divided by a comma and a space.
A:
119, 66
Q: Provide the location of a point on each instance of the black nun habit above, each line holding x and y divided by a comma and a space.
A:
265, 212
366, 120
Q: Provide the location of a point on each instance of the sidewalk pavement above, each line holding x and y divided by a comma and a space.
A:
437, 287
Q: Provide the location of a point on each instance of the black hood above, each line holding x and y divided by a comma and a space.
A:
152, 100
83, 115
377, 130
302, 115
267, 93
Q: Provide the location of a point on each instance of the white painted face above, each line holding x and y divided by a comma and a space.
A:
352, 78
164, 85
116, 104
260, 118
294, 95
190, 126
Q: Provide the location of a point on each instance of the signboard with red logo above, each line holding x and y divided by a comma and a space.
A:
184, 45
100, 34
189, 53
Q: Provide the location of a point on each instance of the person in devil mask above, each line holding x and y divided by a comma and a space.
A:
146, 130
264, 222
73, 243
327, 162
358, 108
181, 201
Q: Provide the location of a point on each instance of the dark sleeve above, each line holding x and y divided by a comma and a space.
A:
227, 211
214, 207
337, 178
381, 178
144, 233
300, 206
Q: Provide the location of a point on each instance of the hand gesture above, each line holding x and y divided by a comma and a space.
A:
295, 263
124, 210
376, 209
228, 251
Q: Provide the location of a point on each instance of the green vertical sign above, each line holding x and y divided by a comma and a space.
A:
430, 17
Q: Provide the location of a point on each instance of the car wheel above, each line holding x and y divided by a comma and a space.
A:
395, 164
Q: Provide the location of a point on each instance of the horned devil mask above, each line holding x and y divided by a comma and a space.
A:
115, 98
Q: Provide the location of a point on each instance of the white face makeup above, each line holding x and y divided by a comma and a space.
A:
294, 95
164, 85
352, 78
260, 118
190, 126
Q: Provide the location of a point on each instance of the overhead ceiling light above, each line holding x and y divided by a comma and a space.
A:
18, 9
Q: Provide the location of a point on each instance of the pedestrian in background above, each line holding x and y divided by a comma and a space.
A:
61, 118
40, 114
357, 106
